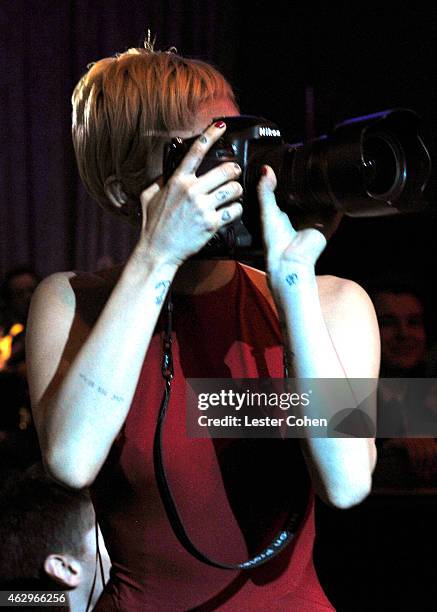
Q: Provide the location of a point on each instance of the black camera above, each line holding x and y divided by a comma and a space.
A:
367, 166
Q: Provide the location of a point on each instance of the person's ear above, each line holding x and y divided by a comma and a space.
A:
114, 191
63, 569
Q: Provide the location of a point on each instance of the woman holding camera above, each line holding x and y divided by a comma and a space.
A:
95, 353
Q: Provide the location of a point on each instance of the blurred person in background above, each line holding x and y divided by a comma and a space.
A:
405, 460
18, 440
404, 336
16, 290
48, 541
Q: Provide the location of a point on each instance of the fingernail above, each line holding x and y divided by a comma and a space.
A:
237, 167
220, 124
264, 170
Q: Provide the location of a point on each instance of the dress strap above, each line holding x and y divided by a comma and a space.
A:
259, 279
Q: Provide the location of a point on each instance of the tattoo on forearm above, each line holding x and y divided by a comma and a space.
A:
162, 287
99, 389
292, 279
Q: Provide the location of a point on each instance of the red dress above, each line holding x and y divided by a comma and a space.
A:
232, 495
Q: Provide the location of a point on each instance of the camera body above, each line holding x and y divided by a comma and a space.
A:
367, 166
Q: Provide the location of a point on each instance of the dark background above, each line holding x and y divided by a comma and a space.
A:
356, 60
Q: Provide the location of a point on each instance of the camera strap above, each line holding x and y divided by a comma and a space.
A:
282, 539
98, 564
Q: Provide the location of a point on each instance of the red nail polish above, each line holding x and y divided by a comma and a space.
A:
264, 170
220, 124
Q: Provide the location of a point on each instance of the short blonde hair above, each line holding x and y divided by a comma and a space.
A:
120, 105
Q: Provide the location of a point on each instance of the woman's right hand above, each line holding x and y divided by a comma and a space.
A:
180, 217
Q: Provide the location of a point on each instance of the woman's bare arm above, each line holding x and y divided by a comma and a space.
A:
79, 407
331, 332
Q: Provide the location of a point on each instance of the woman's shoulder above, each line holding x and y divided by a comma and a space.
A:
338, 295
77, 292
350, 319
78, 280
352, 324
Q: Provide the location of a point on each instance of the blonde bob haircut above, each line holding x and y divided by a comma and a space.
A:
125, 106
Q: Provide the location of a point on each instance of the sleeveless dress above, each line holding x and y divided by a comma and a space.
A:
233, 495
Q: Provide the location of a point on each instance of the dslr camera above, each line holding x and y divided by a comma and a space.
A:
367, 166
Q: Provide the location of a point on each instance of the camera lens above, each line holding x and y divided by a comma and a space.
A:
385, 161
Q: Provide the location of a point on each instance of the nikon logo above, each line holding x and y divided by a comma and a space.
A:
266, 131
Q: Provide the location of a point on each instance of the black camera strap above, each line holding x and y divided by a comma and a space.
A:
98, 564
282, 539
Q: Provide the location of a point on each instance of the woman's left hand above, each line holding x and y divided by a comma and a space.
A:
285, 246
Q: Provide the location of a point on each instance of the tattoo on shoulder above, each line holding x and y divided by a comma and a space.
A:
99, 389
161, 288
292, 279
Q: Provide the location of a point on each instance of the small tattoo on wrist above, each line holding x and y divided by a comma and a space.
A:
162, 286
292, 279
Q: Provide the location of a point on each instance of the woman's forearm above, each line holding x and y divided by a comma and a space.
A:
341, 466
307, 336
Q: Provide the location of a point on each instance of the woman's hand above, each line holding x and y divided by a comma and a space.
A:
180, 217
285, 247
